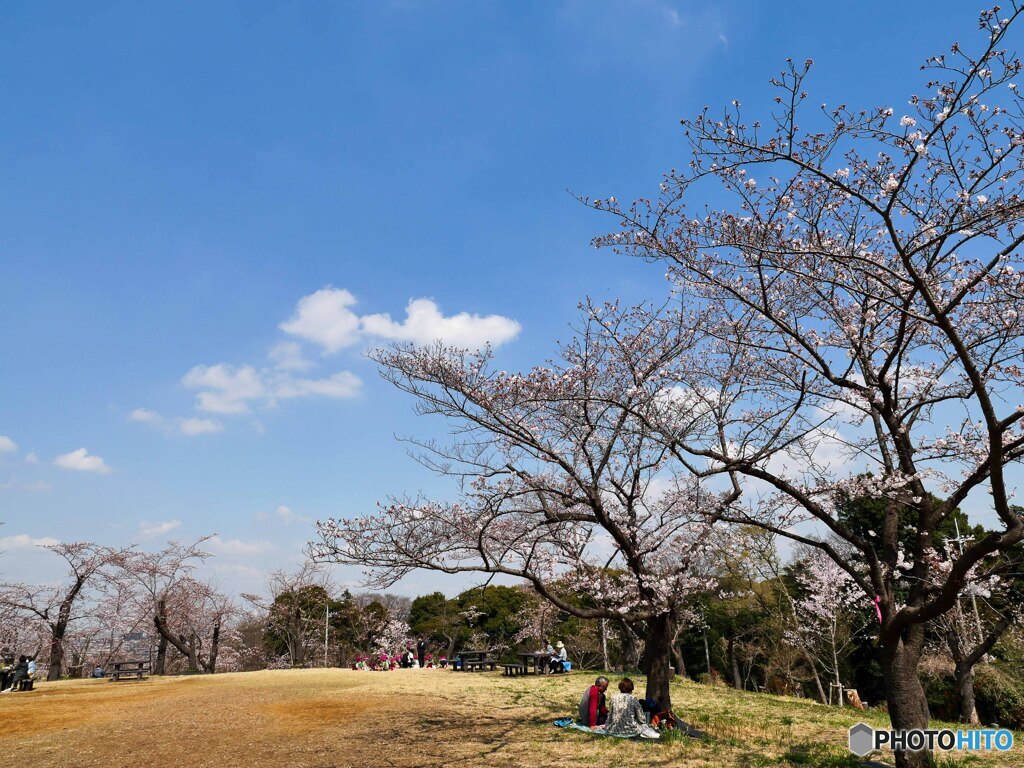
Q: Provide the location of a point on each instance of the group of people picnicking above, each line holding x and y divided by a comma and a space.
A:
17, 676
621, 715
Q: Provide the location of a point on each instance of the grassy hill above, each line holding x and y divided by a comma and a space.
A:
405, 718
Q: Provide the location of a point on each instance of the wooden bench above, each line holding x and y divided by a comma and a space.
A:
137, 670
475, 666
513, 670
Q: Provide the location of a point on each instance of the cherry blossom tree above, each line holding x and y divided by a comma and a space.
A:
865, 272
184, 610
296, 611
57, 605
559, 483
827, 618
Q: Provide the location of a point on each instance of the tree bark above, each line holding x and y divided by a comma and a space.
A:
211, 664
161, 656
58, 629
737, 683
965, 685
56, 655
908, 705
657, 655
817, 680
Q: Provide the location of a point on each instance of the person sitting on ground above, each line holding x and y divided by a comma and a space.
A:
20, 673
97, 672
557, 661
592, 711
625, 715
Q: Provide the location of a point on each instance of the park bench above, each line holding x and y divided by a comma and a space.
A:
513, 670
137, 670
479, 664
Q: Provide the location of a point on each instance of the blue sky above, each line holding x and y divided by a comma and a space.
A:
175, 179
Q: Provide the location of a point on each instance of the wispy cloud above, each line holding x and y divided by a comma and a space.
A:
239, 547
153, 530
289, 516
184, 426
24, 541
81, 461
195, 426
228, 390
7, 445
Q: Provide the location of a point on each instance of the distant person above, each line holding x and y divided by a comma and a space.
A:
98, 672
32, 667
557, 661
421, 651
625, 715
593, 710
20, 674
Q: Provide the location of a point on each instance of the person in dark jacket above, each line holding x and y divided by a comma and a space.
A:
20, 673
592, 709
421, 651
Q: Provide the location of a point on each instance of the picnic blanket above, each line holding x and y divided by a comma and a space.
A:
568, 722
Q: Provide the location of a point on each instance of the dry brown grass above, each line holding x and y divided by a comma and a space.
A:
406, 718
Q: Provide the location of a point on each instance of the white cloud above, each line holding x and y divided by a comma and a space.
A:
341, 384
289, 516
239, 547
152, 530
226, 388
424, 324
7, 445
185, 426
31, 458
24, 541
81, 461
324, 318
145, 416
231, 390
199, 426
287, 356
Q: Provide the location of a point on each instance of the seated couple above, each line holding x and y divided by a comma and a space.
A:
623, 715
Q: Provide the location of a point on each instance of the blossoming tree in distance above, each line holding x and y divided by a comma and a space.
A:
562, 483
864, 268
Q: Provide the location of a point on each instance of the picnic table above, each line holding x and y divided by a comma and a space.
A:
534, 659
133, 669
475, 660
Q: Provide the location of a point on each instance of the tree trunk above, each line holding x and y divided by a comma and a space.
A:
908, 705
817, 680
161, 656
604, 645
737, 683
965, 685
56, 654
630, 648
211, 663
677, 657
657, 655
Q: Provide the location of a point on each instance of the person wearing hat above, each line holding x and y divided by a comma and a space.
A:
556, 663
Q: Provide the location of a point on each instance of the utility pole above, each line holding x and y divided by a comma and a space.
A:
959, 540
327, 627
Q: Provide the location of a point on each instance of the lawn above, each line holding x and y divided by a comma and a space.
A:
405, 718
